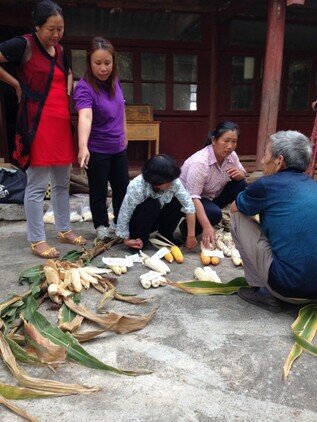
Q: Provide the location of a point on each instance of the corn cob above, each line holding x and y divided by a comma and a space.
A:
203, 274
155, 264
123, 269
76, 283
236, 257
84, 275
224, 248
51, 275
205, 260
177, 254
214, 260
169, 257
115, 269
146, 284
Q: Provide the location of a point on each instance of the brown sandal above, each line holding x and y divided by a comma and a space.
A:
78, 240
49, 253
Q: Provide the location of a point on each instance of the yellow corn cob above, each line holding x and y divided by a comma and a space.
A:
51, 275
116, 269
169, 257
76, 283
214, 260
205, 260
177, 254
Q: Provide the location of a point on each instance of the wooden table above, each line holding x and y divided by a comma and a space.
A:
146, 132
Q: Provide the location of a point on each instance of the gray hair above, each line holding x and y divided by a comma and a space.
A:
293, 146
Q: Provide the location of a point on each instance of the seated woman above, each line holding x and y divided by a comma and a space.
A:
150, 203
214, 176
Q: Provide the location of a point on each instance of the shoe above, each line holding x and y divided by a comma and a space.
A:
104, 233
70, 237
47, 253
254, 296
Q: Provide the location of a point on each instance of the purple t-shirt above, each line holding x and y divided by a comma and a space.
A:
107, 129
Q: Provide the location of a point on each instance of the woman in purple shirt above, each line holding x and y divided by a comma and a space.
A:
98, 98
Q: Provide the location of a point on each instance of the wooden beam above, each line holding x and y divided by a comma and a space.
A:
272, 74
234, 8
213, 95
291, 2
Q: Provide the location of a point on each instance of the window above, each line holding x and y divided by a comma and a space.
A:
242, 83
125, 73
185, 82
153, 77
298, 85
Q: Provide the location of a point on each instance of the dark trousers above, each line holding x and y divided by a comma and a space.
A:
213, 208
104, 168
149, 216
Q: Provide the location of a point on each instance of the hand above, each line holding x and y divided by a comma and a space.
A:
18, 91
235, 174
133, 243
83, 157
314, 105
191, 242
208, 237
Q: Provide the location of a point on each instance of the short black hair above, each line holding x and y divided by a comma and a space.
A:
44, 10
160, 169
220, 129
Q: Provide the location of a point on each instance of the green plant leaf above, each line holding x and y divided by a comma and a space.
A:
209, 287
65, 314
16, 409
31, 274
21, 354
72, 256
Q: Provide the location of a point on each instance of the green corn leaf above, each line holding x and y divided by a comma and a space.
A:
74, 350
65, 314
72, 256
11, 392
209, 287
32, 274
21, 354
304, 329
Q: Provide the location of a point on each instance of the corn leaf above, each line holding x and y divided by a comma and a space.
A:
113, 321
16, 409
21, 354
107, 295
304, 329
38, 383
87, 335
12, 392
74, 351
131, 299
72, 256
8, 303
47, 352
209, 287
32, 274
68, 320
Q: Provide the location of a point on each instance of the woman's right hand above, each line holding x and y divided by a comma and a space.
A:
133, 243
18, 91
83, 157
208, 236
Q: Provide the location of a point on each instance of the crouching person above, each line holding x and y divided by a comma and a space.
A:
279, 253
151, 203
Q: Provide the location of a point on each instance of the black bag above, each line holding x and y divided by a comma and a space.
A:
12, 186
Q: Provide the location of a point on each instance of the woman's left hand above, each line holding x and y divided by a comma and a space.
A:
191, 242
235, 174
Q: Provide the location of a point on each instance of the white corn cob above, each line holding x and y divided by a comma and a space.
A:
95, 271
155, 282
204, 275
236, 257
76, 283
87, 277
155, 264
115, 269
124, 269
51, 275
224, 248
212, 273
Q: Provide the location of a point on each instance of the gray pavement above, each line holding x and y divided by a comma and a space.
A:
214, 358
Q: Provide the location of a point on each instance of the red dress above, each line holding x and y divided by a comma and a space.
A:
53, 144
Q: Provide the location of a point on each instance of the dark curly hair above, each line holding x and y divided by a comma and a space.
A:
160, 169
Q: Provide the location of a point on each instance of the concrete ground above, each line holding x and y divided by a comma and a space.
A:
214, 358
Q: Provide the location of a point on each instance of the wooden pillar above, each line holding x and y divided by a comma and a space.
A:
272, 75
213, 95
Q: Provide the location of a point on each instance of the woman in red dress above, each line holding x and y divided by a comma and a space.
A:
44, 144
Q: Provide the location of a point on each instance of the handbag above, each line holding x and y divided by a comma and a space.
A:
12, 186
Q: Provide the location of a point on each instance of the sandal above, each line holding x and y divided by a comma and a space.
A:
78, 240
49, 253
